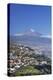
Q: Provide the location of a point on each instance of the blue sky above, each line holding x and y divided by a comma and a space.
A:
26, 17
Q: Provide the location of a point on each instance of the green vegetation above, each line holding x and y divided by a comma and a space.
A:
28, 70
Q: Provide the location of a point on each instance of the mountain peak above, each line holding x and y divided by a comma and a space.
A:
30, 32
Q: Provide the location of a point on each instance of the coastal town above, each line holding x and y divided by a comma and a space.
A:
23, 56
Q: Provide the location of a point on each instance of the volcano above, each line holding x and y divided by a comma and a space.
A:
30, 32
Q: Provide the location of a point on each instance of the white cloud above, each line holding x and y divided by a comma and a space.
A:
19, 34
32, 30
47, 36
